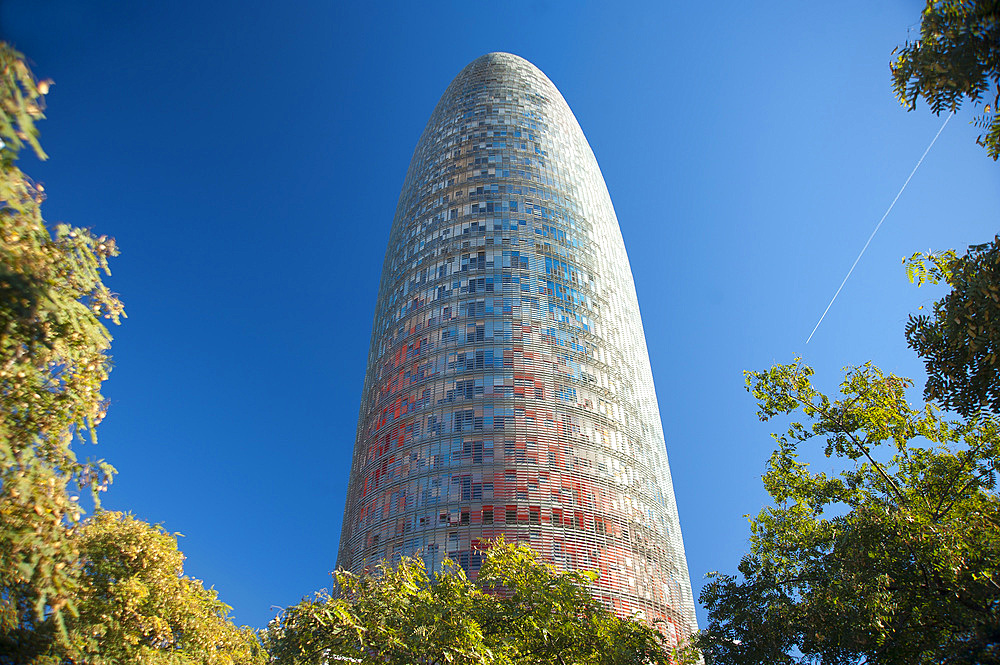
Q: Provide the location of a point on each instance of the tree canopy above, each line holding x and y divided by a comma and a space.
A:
960, 340
518, 610
893, 559
136, 605
956, 58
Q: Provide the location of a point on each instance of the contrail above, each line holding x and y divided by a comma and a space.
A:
878, 226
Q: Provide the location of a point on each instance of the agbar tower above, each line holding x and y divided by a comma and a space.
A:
508, 389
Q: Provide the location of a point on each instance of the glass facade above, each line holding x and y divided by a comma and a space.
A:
508, 389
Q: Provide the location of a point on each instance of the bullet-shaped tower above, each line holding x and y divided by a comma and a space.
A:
508, 389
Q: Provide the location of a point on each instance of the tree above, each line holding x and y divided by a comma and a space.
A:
534, 614
53, 360
960, 340
135, 605
518, 610
109, 590
957, 58
895, 558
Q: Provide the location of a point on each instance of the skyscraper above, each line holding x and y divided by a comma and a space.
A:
508, 389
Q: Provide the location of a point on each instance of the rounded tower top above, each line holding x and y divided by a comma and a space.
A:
505, 69
502, 57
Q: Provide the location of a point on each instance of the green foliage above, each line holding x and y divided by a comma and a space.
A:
402, 614
22, 100
518, 610
135, 605
534, 614
956, 58
894, 558
929, 267
960, 340
53, 360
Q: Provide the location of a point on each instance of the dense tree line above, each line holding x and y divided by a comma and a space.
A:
518, 610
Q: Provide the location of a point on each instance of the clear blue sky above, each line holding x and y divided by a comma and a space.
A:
248, 157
